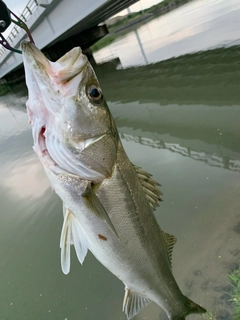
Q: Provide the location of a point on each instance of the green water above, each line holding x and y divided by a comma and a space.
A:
179, 120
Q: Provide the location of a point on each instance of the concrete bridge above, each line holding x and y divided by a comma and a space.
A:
58, 25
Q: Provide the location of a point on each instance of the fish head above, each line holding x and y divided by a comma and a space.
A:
73, 130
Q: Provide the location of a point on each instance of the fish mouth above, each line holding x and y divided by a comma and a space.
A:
33, 56
62, 71
62, 77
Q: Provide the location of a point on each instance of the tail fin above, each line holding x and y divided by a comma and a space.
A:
191, 307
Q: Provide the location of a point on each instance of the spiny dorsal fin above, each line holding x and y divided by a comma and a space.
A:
133, 302
170, 241
72, 234
150, 187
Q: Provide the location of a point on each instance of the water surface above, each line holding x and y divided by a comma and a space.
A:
179, 120
195, 26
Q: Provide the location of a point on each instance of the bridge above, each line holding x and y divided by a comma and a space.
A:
58, 25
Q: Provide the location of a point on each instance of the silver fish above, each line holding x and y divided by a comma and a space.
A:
107, 201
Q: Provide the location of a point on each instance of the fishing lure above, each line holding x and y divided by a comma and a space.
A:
5, 21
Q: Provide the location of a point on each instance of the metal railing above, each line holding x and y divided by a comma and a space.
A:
27, 12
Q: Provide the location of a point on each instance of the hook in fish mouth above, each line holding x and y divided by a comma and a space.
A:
58, 75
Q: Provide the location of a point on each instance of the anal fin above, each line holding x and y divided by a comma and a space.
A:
72, 234
133, 302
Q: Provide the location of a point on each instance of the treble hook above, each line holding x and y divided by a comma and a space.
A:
5, 21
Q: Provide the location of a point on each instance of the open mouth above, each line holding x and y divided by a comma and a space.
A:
63, 70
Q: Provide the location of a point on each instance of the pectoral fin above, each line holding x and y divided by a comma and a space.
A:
133, 302
72, 233
97, 207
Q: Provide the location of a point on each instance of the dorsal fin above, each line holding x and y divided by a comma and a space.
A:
170, 241
150, 187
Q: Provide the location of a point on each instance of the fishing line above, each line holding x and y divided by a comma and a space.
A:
5, 21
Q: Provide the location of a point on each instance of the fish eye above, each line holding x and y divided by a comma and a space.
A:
94, 93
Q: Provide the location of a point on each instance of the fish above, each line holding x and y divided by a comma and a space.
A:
108, 202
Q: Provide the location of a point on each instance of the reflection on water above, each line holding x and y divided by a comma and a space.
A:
209, 158
185, 105
207, 78
198, 25
179, 120
141, 47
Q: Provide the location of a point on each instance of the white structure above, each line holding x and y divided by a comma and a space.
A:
52, 20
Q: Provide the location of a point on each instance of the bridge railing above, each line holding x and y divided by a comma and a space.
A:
27, 12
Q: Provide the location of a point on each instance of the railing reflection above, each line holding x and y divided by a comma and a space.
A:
213, 160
